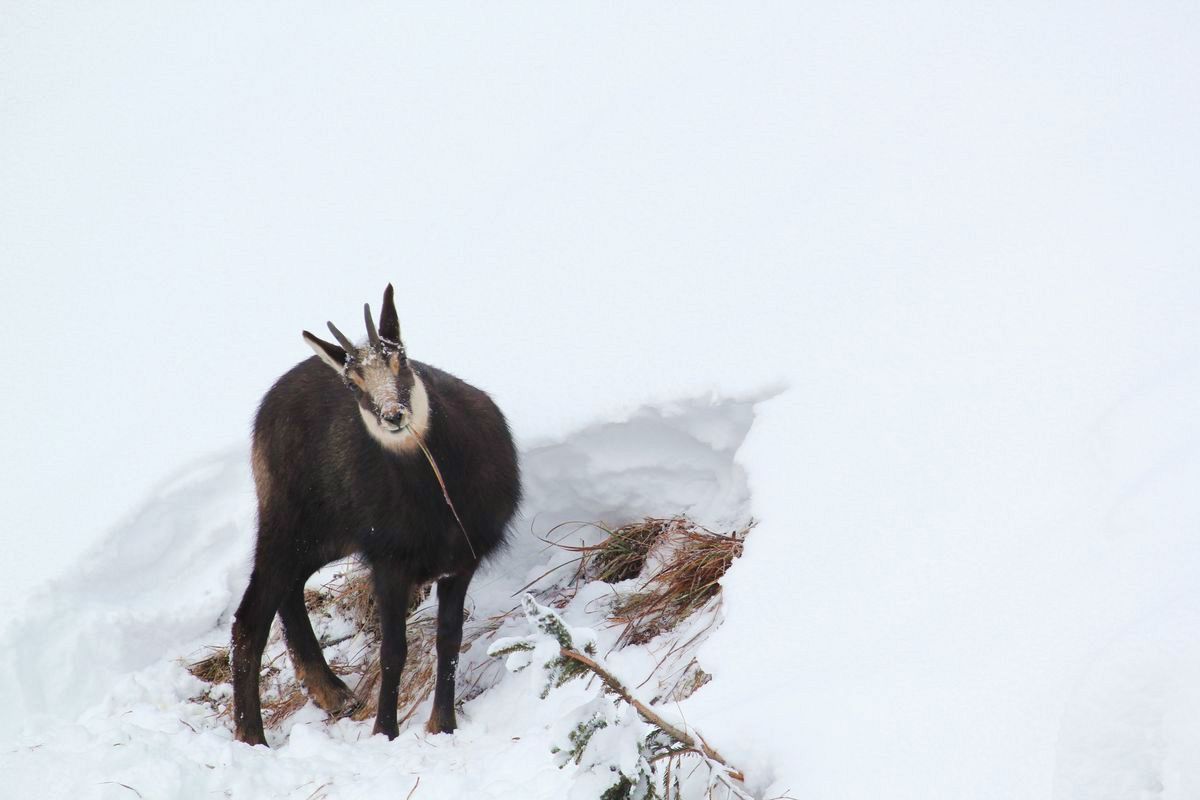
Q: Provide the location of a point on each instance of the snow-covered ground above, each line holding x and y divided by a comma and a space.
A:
915, 286
96, 679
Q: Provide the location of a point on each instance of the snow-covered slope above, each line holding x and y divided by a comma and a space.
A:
966, 607
849, 655
97, 699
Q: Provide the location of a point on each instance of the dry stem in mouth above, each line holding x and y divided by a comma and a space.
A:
437, 473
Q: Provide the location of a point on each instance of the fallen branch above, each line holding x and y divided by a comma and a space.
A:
650, 716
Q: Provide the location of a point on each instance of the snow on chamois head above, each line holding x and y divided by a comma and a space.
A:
391, 396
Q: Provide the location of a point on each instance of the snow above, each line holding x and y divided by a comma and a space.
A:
914, 286
97, 663
1019, 595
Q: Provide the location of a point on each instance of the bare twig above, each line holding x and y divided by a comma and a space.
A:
544, 574
314, 791
695, 743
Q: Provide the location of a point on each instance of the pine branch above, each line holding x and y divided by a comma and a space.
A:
648, 714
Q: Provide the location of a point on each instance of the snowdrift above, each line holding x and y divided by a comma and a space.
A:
1046, 618
100, 704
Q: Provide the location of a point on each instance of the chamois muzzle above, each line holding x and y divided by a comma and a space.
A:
396, 417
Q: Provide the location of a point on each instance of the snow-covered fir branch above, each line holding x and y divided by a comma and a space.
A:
615, 732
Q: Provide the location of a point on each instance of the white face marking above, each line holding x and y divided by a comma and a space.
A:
373, 374
401, 440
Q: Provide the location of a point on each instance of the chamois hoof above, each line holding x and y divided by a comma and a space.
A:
337, 699
252, 738
441, 724
390, 733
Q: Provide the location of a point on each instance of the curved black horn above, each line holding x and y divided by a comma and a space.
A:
346, 344
372, 334
389, 321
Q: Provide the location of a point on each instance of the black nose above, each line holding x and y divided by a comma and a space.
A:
397, 419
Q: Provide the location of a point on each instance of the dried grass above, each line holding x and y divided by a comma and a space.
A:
690, 562
279, 708
690, 679
622, 555
215, 668
417, 680
685, 562
354, 597
348, 594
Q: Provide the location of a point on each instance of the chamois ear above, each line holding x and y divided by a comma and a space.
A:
389, 320
331, 354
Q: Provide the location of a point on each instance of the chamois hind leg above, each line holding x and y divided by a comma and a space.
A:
251, 626
452, 593
325, 688
393, 587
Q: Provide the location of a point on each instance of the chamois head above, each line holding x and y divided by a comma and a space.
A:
391, 397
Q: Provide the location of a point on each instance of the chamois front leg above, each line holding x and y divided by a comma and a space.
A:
452, 593
392, 591
251, 626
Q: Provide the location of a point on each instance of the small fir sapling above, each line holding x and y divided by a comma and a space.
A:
619, 735
546, 647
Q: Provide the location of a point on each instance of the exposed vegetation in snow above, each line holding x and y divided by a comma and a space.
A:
99, 676
562, 653
661, 578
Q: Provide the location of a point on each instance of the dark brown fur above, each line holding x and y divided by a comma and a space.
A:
327, 490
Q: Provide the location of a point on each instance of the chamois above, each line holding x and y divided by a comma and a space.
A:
340, 469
